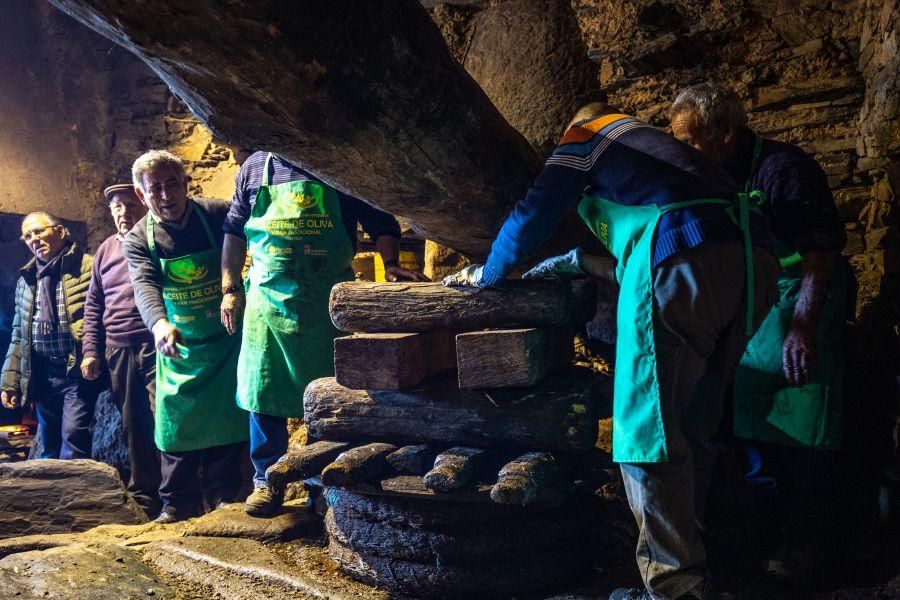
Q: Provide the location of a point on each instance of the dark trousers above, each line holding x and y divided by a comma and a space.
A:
268, 443
64, 405
132, 384
184, 489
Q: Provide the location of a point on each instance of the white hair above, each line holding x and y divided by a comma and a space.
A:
152, 160
715, 108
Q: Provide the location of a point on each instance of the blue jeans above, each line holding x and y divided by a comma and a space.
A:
268, 443
64, 406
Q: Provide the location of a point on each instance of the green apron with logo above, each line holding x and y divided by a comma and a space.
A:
766, 407
195, 391
300, 250
627, 232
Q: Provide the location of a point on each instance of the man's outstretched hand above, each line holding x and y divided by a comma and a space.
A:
397, 273
469, 276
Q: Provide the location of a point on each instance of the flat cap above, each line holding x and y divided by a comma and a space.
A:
116, 188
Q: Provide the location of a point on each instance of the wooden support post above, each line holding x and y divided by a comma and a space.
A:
411, 460
455, 468
303, 464
521, 481
392, 361
560, 413
360, 306
511, 357
357, 465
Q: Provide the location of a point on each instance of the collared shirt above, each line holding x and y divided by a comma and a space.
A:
353, 211
628, 162
59, 342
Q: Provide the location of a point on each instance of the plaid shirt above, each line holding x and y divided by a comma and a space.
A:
57, 343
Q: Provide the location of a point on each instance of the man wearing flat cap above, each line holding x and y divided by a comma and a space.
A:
115, 334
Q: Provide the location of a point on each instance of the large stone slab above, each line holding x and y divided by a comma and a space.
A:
240, 569
295, 521
55, 496
79, 572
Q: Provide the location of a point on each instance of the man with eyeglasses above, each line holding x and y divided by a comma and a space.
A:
44, 353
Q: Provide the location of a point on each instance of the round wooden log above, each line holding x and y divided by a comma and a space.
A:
521, 480
357, 465
362, 306
559, 414
364, 94
301, 464
455, 468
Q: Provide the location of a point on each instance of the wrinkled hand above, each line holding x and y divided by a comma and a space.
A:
10, 399
799, 355
90, 368
397, 273
231, 311
165, 336
469, 276
567, 266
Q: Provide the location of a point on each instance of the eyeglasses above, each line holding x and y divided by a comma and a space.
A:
35, 233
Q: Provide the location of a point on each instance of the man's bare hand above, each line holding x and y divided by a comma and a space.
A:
232, 311
398, 273
799, 355
165, 336
90, 368
10, 399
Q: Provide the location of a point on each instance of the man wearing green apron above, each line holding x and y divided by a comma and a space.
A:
173, 258
301, 236
788, 397
684, 244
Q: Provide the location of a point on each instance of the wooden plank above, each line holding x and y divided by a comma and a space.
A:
360, 306
455, 468
521, 481
511, 357
360, 464
411, 460
392, 361
560, 413
302, 464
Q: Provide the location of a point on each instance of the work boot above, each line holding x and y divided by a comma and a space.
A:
263, 502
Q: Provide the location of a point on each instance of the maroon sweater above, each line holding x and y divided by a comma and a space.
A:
110, 314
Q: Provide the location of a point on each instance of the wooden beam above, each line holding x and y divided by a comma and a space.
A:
305, 463
455, 468
357, 465
511, 357
411, 460
361, 306
521, 481
392, 361
560, 413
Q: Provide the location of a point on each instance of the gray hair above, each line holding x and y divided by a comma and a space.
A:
152, 160
715, 107
52, 219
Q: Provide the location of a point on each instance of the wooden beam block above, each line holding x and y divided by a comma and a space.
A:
521, 481
392, 361
357, 465
560, 413
455, 468
303, 464
360, 306
411, 460
511, 357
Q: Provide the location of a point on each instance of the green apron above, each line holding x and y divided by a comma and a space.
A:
300, 250
195, 406
627, 232
766, 407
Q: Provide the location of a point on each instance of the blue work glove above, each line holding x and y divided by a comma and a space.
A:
567, 266
469, 277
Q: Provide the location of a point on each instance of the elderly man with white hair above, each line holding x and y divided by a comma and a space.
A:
174, 256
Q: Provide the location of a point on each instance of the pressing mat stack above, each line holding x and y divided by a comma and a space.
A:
456, 441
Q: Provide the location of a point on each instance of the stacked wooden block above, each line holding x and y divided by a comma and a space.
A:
455, 440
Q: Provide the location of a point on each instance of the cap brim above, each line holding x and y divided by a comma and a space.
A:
117, 188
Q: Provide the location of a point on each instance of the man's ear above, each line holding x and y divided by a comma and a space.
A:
730, 134
140, 195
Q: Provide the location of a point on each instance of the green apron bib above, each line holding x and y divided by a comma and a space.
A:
766, 407
627, 232
300, 250
195, 391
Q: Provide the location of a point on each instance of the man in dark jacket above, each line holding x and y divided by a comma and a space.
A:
41, 363
114, 331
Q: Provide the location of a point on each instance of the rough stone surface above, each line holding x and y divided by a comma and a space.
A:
79, 572
54, 496
232, 521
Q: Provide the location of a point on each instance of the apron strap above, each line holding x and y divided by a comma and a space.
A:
265, 177
754, 162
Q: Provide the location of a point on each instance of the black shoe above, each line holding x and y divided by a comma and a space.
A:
224, 504
166, 517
